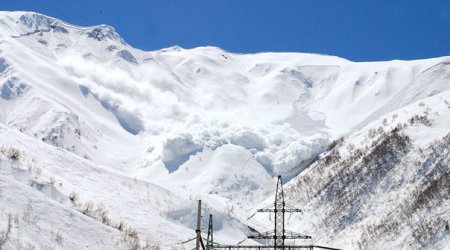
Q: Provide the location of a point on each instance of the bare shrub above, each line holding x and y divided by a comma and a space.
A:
332, 158
420, 119
87, 208
372, 133
99, 212
59, 237
132, 233
73, 197
120, 226
4, 235
38, 170
11, 153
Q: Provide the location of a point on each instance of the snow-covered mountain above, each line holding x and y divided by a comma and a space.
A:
106, 146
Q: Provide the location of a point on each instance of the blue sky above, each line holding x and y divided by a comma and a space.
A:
358, 30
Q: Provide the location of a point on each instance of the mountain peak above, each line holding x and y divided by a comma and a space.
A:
21, 23
102, 32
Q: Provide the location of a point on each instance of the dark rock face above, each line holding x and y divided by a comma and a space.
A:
12, 89
127, 56
102, 32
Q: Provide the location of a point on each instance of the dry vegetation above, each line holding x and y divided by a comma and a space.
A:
350, 181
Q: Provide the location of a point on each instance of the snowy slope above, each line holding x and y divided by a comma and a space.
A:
386, 186
146, 133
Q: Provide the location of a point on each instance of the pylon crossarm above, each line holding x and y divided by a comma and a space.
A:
288, 235
286, 210
294, 235
264, 235
273, 247
211, 242
270, 210
287, 206
293, 210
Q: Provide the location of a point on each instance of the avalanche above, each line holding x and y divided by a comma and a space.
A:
106, 146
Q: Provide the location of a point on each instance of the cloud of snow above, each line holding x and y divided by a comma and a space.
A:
150, 98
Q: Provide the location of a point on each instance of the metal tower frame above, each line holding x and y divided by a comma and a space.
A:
199, 240
198, 231
278, 235
279, 208
210, 238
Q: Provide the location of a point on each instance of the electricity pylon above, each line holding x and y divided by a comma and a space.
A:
279, 208
210, 238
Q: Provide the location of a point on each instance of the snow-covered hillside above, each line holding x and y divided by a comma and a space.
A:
107, 146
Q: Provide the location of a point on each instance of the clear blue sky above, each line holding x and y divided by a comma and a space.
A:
358, 30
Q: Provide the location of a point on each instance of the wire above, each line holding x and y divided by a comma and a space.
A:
241, 241
186, 241
251, 216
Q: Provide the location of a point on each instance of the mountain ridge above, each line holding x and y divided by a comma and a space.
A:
160, 129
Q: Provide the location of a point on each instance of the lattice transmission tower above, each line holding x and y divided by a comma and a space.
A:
279, 208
